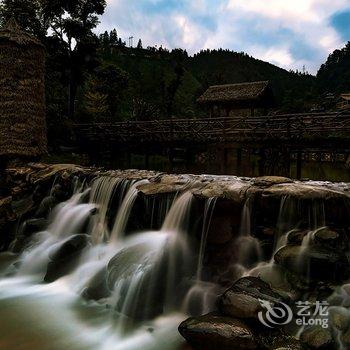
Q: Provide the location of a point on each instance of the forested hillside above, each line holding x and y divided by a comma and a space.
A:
334, 75
95, 78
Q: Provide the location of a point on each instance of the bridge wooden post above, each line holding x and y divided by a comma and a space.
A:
299, 163
262, 161
146, 160
239, 161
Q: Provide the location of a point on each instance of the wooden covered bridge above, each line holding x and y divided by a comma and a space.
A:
220, 144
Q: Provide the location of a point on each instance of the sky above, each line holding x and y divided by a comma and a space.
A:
288, 33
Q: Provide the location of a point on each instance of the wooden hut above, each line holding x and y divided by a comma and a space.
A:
244, 99
22, 96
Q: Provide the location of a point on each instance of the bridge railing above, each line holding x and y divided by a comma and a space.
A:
237, 128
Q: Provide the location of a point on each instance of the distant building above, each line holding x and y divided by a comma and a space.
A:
244, 99
22, 97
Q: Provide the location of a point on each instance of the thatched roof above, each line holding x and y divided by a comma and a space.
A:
12, 32
235, 92
22, 97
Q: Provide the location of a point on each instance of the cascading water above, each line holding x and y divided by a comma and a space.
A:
201, 296
208, 214
68, 219
141, 272
125, 210
102, 191
249, 249
129, 291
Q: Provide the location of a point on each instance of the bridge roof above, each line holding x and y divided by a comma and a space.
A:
251, 91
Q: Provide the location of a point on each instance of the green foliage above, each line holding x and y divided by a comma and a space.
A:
103, 93
28, 13
103, 80
334, 75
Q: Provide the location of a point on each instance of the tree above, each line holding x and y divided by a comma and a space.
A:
28, 14
106, 87
72, 23
139, 45
334, 75
96, 104
173, 87
113, 37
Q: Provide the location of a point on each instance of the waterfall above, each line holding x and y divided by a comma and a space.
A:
91, 287
177, 218
208, 214
68, 219
143, 272
245, 228
249, 248
101, 194
125, 210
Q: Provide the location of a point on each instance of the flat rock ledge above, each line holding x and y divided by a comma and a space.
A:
228, 187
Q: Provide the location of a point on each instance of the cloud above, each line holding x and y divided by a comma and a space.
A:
288, 33
340, 22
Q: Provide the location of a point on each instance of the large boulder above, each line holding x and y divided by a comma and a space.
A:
64, 258
314, 262
317, 338
211, 331
97, 287
328, 237
242, 299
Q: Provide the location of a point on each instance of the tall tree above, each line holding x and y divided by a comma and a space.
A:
106, 84
72, 22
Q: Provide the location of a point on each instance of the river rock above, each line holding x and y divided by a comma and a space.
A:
64, 258
97, 287
340, 318
318, 338
302, 190
295, 237
211, 331
242, 299
314, 262
266, 181
328, 237
48, 172
277, 339
345, 339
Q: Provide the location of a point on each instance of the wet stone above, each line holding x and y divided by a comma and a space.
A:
314, 262
340, 318
295, 237
318, 338
242, 299
63, 259
211, 331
